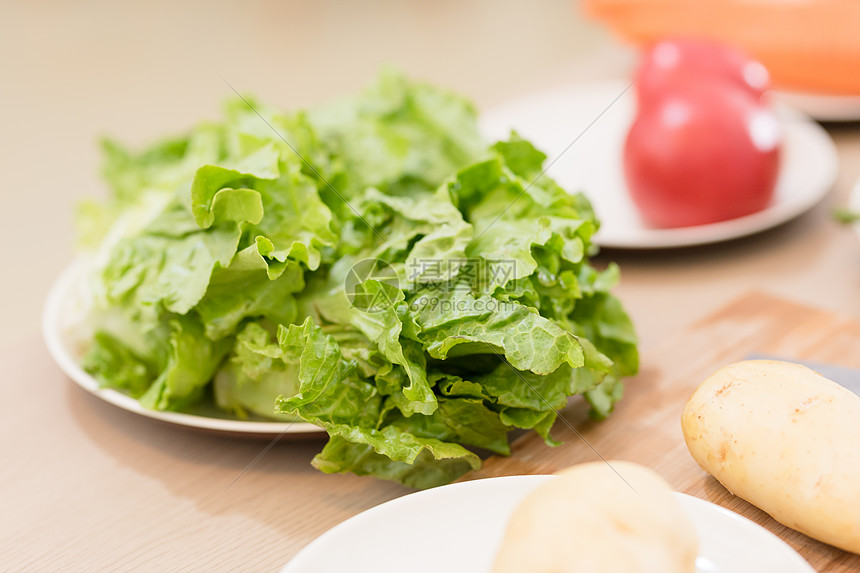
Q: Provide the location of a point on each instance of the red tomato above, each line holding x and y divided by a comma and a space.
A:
701, 152
677, 60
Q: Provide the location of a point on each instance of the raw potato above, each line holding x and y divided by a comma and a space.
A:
785, 439
589, 520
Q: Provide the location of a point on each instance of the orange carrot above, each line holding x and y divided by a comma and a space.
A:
811, 46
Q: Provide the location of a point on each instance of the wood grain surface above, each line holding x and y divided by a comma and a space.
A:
86, 486
645, 427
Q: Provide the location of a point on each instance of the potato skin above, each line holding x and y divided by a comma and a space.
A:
588, 520
787, 440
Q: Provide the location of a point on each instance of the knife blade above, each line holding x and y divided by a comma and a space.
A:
842, 375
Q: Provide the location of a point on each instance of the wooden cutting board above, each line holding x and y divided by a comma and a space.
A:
645, 426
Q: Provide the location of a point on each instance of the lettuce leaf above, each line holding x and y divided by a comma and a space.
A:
370, 266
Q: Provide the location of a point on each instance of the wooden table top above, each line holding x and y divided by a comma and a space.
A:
88, 487
646, 427
96, 488
93, 487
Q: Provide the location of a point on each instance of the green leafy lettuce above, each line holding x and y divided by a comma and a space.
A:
370, 266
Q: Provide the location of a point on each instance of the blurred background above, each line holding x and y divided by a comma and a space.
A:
75, 71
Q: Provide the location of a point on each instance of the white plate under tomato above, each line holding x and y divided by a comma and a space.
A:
585, 115
823, 107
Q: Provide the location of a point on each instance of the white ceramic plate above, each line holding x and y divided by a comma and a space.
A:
823, 107
553, 119
63, 331
459, 528
854, 205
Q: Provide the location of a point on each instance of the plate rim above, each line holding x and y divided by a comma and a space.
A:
824, 107
774, 215
299, 560
854, 204
64, 358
